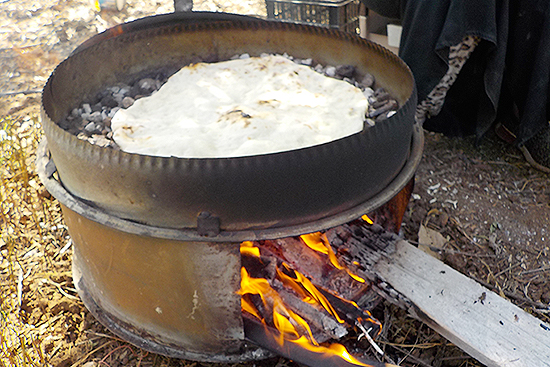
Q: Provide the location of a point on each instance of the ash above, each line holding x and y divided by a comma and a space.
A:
92, 120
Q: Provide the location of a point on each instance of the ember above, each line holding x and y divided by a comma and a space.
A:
319, 242
367, 219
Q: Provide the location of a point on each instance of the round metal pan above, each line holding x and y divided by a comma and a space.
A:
226, 194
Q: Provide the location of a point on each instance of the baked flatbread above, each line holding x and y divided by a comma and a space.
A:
240, 107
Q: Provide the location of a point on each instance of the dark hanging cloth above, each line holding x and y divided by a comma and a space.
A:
429, 29
508, 72
527, 73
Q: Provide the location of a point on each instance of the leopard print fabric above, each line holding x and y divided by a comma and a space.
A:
458, 55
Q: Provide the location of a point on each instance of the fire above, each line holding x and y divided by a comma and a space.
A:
307, 290
285, 320
248, 248
318, 241
291, 327
329, 351
367, 219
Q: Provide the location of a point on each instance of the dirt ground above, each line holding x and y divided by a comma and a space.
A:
484, 209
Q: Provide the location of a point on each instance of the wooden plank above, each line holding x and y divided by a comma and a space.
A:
480, 322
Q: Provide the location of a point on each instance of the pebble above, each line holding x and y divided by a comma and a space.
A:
86, 107
96, 116
127, 102
370, 122
147, 84
97, 107
111, 114
100, 140
118, 97
368, 92
330, 71
92, 121
90, 127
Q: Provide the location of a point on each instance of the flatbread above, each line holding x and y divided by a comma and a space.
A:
240, 107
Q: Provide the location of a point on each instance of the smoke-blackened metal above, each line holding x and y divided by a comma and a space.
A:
247, 193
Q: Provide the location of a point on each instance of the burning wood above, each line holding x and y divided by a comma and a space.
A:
302, 294
316, 261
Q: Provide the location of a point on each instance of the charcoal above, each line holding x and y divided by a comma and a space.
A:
381, 117
345, 71
386, 107
108, 101
97, 107
381, 94
367, 81
376, 104
95, 118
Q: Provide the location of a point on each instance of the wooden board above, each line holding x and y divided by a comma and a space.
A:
480, 322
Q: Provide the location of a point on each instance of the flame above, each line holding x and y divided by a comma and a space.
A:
307, 290
292, 327
297, 281
318, 241
367, 219
285, 320
339, 350
288, 324
331, 350
97, 5
248, 248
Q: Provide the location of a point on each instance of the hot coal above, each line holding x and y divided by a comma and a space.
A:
92, 119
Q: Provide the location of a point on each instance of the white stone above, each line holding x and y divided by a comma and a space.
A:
331, 71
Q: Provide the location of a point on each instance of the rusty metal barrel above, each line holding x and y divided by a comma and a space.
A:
156, 240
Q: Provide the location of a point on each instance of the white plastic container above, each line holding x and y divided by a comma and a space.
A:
394, 34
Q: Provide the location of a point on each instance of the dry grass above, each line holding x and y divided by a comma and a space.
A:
39, 307
43, 322
23, 216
